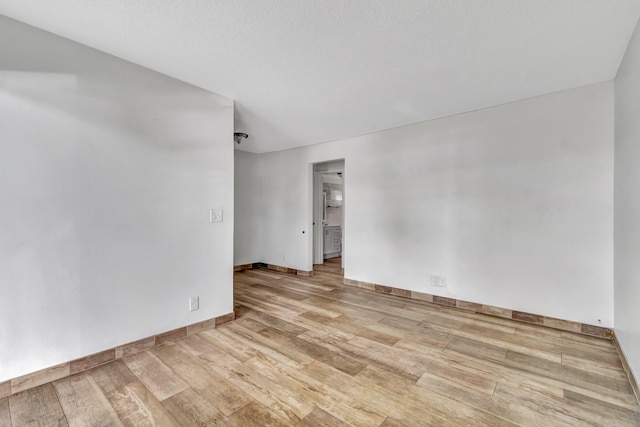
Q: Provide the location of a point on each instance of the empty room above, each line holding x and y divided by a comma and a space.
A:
319, 213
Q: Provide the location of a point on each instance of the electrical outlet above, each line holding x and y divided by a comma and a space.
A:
194, 303
215, 215
439, 281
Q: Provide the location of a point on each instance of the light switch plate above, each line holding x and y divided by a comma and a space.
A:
194, 303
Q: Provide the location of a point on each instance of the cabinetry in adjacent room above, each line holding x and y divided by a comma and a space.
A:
332, 241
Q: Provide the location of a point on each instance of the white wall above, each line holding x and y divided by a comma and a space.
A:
107, 173
627, 204
512, 203
248, 208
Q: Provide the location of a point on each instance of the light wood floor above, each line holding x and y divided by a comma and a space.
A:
312, 352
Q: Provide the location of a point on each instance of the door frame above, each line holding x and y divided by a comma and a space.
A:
316, 208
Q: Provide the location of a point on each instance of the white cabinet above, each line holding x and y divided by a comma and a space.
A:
332, 242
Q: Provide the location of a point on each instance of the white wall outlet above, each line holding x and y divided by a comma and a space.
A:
439, 281
194, 303
215, 215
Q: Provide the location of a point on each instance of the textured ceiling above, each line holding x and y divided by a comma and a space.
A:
303, 72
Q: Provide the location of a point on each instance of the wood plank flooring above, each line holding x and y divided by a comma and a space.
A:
312, 352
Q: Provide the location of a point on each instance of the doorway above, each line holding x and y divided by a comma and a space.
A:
328, 213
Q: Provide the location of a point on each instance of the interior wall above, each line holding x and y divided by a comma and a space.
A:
248, 208
513, 204
627, 204
107, 174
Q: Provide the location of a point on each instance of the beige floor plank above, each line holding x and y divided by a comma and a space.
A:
474, 348
570, 343
378, 397
447, 408
333, 301
415, 333
585, 340
538, 408
333, 401
354, 328
305, 286
390, 422
213, 387
189, 408
321, 418
475, 324
389, 327
574, 345
232, 345
136, 406
256, 414
283, 291
313, 325
432, 362
463, 377
505, 409
601, 413
571, 376
309, 286
5, 414
347, 309
251, 324
247, 297
374, 303
594, 366
307, 349
112, 376
538, 378
290, 356
241, 297
274, 297
83, 402
491, 369
161, 381
268, 296
408, 371
484, 319
5, 388
342, 362
276, 323
280, 400
195, 344
37, 407
551, 345
265, 274
479, 400
496, 340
